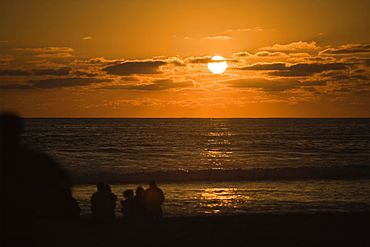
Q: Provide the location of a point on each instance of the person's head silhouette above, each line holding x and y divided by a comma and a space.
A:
128, 193
11, 127
140, 191
152, 184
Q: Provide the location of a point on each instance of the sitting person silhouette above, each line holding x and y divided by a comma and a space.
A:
139, 209
31, 186
154, 198
127, 204
103, 202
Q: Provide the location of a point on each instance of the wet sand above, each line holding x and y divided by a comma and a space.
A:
322, 229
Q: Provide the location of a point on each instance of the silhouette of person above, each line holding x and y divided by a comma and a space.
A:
128, 204
32, 185
103, 202
139, 209
154, 198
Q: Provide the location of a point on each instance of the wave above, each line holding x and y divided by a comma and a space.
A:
330, 172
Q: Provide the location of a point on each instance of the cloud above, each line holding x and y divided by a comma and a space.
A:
314, 83
60, 71
20, 72
270, 54
300, 69
5, 59
266, 66
114, 87
260, 54
293, 47
265, 84
348, 49
307, 69
64, 82
242, 54
129, 78
356, 60
97, 61
137, 102
221, 37
87, 38
15, 72
47, 49
162, 85
204, 59
175, 61
130, 68
84, 73
332, 76
63, 54
15, 86
256, 29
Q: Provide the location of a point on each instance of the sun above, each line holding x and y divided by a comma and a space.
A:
217, 65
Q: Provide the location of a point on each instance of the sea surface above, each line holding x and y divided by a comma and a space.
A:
217, 166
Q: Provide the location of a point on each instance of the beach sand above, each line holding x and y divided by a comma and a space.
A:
321, 229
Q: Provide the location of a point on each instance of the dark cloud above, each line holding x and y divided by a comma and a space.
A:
293, 47
46, 49
314, 83
307, 69
242, 54
83, 73
337, 76
205, 59
178, 63
114, 87
64, 82
129, 78
60, 71
301, 69
19, 72
130, 68
262, 66
341, 90
98, 61
15, 72
347, 49
265, 84
15, 86
162, 85
360, 71
357, 60
269, 54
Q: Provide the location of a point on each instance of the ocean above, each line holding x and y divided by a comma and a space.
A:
215, 166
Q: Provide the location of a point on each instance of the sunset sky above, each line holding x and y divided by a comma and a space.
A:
123, 58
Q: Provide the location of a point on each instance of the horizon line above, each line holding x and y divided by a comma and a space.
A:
203, 117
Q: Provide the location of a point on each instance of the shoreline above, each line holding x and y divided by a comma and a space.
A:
319, 229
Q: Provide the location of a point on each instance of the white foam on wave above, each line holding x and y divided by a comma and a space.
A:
330, 172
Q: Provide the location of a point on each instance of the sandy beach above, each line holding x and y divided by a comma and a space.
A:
321, 229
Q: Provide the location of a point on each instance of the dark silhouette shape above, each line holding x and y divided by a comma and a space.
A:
103, 202
139, 209
128, 204
154, 198
32, 185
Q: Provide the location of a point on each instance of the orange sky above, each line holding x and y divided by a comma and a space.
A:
115, 58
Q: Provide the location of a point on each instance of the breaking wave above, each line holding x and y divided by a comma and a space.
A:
330, 172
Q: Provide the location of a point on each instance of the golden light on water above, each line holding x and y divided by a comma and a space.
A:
222, 196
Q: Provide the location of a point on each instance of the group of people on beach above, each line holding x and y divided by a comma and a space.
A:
45, 189
145, 203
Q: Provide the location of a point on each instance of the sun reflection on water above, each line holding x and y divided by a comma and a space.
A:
214, 199
219, 146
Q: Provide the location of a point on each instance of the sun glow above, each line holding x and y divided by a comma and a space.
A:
217, 65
